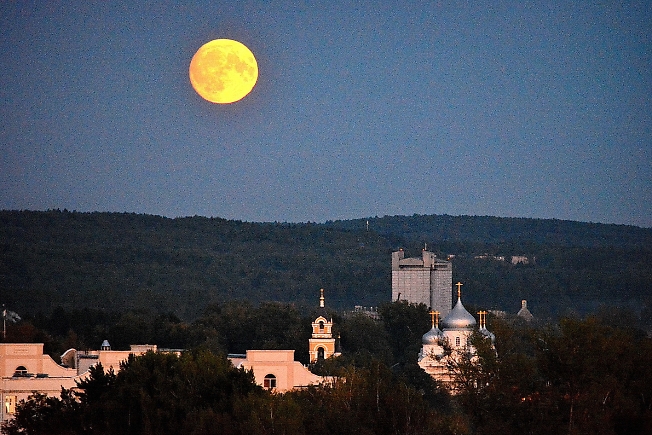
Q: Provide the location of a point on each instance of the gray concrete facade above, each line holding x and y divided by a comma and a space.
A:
427, 280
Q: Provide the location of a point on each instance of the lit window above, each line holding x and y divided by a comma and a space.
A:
269, 382
10, 404
457, 341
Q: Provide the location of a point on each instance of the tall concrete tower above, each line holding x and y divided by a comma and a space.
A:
427, 280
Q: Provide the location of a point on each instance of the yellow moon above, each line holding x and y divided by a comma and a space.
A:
223, 71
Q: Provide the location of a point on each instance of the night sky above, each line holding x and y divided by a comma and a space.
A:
516, 109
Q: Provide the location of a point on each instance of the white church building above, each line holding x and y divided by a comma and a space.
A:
442, 348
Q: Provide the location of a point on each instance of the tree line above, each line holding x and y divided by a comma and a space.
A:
577, 375
230, 327
119, 262
201, 393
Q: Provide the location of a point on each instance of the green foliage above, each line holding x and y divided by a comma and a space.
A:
367, 400
576, 376
152, 394
489, 231
580, 376
405, 323
236, 326
45, 415
205, 284
129, 262
200, 393
364, 339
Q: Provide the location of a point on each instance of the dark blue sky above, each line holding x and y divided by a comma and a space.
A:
528, 109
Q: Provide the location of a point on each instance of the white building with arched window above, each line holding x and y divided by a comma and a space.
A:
276, 369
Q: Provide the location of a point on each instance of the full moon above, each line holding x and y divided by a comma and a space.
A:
223, 71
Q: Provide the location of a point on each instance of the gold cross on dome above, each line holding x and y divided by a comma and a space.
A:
459, 289
483, 318
434, 318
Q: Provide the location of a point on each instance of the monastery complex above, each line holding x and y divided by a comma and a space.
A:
25, 369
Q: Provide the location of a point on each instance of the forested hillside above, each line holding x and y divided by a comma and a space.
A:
117, 262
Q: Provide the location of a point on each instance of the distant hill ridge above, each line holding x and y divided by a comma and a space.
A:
120, 261
489, 229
